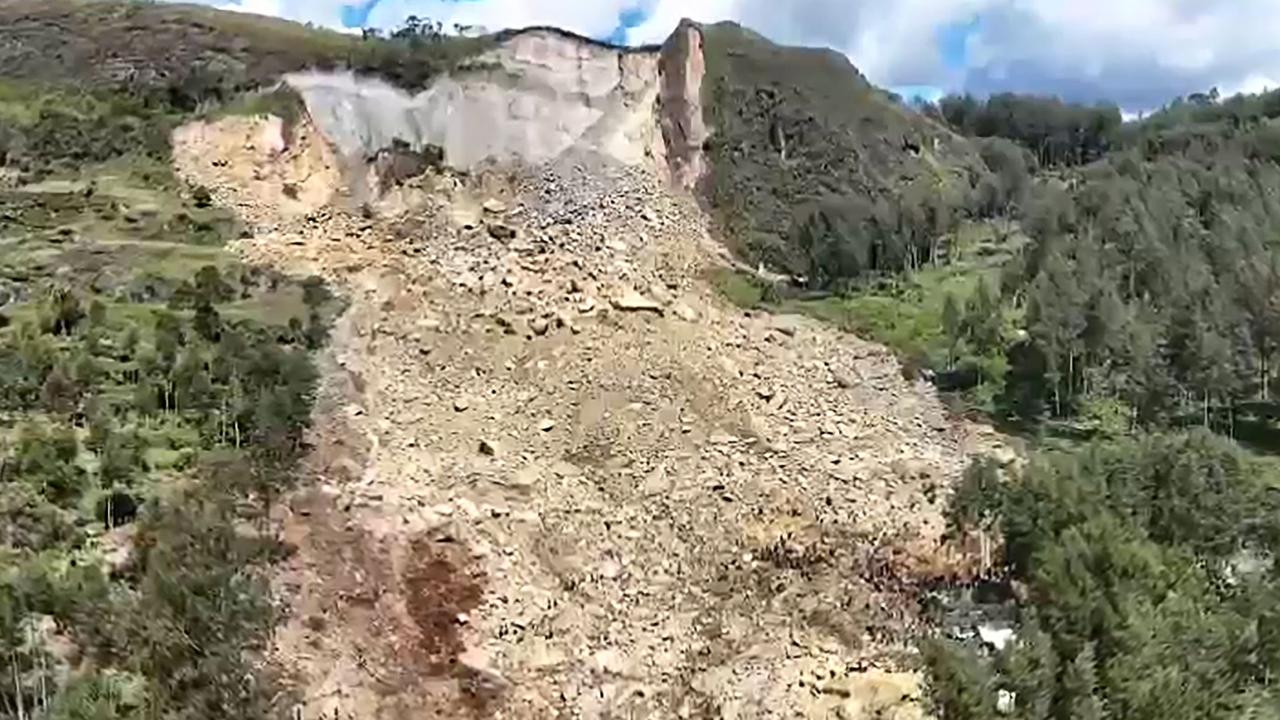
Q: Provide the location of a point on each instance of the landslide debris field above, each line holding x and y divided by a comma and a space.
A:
555, 475
551, 470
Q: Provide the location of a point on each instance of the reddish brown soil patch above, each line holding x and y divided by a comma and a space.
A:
440, 589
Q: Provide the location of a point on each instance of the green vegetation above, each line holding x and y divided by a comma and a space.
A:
153, 390
1057, 133
180, 56
168, 430
816, 172
1103, 288
153, 393
946, 319
129, 71
1136, 291
1145, 301
1149, 582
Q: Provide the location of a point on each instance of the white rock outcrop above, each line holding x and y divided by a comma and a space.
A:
534, 96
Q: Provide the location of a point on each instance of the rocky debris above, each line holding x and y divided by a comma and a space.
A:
499, 231
845, 379
704, 509
684, 312
632, 301
479, 676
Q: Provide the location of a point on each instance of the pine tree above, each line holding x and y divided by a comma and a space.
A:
1079, 693
1030, 667
961, 683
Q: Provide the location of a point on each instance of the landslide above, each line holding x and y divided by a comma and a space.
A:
554, 474
534, 95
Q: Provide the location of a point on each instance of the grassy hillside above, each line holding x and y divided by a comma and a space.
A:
182, 54
84, 81
803, 148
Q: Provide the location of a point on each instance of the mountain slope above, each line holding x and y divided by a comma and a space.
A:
806, 166
555, 474
798, 131
186, 54
551, 471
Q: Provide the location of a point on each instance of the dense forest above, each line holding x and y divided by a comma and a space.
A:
1148, 285
153, 391
1143, 300
1148, 584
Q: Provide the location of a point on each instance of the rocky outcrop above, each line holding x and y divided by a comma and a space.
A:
537, 95
682, 68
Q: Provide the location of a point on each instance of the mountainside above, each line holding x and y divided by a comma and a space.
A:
411, 340
187, 54
798, 137
781, 143
414, 375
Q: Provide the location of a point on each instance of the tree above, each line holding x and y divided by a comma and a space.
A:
206, 322
1080, 689
961, 684
983, 322
210, 288
64, 312
59, 392
169, 337
1136, 603
1056, 318
952, 327
1031, 667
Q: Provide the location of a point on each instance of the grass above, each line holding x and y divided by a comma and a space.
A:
109, 225
125, 232
904, 314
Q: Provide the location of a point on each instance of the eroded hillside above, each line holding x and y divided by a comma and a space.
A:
551, 472
555, 475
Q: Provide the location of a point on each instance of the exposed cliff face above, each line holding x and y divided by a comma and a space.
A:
536, 95
682, 69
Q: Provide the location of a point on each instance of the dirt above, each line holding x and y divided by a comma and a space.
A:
533, 496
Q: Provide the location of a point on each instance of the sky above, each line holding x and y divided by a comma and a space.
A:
1136, 53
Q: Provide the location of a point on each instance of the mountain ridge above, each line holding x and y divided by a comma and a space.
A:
770, 152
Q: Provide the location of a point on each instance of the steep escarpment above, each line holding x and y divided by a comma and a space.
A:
684, 128
534, 96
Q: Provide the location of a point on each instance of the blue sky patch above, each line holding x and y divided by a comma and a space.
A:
953, 40
357, 15
927, 93
627, 19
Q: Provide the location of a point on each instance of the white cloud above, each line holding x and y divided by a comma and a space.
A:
325, 13
1138, 52
595, 18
